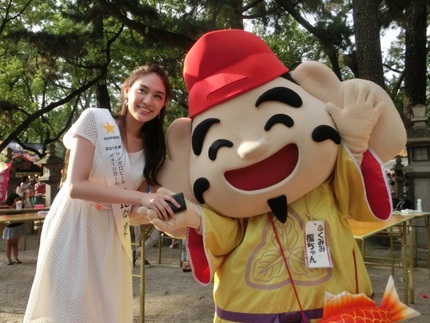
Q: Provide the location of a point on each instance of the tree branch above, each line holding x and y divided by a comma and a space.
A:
146, 31
26, 123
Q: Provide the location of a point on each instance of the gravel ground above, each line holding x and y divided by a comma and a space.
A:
172, 295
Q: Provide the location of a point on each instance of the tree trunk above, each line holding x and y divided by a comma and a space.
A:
367, 40
415, 57
102, 94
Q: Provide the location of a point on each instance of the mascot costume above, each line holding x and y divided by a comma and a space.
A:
272, 164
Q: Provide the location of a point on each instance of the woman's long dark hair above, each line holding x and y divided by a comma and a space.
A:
154, 141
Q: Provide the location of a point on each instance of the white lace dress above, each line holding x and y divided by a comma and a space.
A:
83, 273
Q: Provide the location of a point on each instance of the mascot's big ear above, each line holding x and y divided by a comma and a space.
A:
388, 137
175, 173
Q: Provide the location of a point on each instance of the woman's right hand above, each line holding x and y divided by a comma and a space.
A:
189, 218
157, 202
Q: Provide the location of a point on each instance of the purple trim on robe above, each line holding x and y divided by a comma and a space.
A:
290, 317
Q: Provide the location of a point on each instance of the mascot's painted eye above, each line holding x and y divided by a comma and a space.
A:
213, 149
267, 172
279, 118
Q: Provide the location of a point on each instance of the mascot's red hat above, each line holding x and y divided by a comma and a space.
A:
223, 64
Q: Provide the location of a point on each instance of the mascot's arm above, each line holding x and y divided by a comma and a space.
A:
207, 251
362, 190
375, 182
210, 237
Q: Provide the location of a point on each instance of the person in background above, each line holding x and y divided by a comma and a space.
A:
84, 268
24, 185
27, 198
152, 239
13, 232
174, 244
186, 268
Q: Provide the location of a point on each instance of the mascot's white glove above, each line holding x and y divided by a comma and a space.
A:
189, 218
137, 217
358, 116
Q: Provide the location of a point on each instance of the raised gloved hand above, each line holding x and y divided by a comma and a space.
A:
387, 131
189, 218
358, 116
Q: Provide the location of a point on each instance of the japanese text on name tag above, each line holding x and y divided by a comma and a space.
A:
317, 253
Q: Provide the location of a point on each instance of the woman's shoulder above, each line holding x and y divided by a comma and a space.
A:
97, 114
101, 111
84, 126
91, 111
94, 111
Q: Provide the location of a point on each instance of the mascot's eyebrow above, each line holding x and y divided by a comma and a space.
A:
281, 94
199, 134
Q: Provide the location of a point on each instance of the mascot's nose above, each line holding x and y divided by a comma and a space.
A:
252, 149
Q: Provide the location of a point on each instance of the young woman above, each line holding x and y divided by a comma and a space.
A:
84, 265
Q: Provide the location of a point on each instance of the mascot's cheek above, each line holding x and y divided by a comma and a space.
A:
265, 173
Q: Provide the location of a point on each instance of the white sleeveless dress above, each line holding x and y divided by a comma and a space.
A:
83, 273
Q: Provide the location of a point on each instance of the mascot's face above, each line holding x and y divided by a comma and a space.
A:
273, 141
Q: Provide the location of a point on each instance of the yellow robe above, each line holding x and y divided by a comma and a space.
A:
252, 281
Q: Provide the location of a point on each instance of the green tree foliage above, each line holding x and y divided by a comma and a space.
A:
60, 57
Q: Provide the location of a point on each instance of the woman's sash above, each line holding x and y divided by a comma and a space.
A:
117, 169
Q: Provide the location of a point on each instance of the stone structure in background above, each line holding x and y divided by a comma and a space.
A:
401, 193
418, 172
52, 166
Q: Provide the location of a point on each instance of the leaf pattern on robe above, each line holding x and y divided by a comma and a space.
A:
267, 268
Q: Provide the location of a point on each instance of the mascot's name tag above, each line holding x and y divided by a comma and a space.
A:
317, 253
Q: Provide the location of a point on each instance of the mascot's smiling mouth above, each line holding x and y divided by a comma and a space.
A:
265, 173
